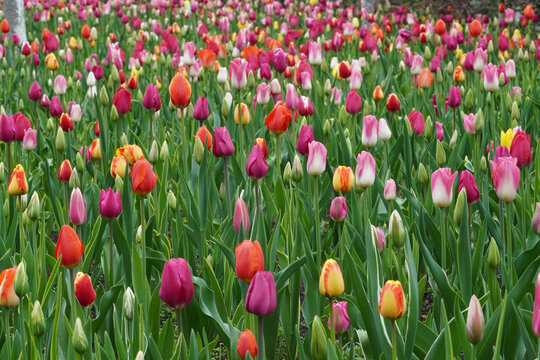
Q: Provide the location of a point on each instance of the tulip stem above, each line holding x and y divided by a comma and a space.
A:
260, 337
444, 238
21, 230
473, 353
6, 323
184, 141
179, 322
72, 278
317, 223
508, 231
66, 198
277, 165
394, 345
111, 252
226, 183
143, 244
8, 145
332, 328
150, 135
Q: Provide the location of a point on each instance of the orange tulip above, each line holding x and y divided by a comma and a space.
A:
64, 171
440, 27
118, 166
85, 31
95, 149
425, 79
180, 91
8, 298
205, 136
245, 117
249, 260
4, 26
459, 74
392, 302
69, 246
279, 118
132, 153
378, 93
475, 28
343, 179
207, 57
143, 179
17, 182
331, 282
250, 52
528, 12
247, 343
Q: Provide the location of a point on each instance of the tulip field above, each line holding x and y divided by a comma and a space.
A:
232, 179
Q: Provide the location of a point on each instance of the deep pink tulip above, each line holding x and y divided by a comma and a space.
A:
440, 131
521, 148
505, 178
501, 152
416, 118
122, 101
21, 125
454, 97
34, 93
467, 181
110, 203
305, 136
442, 181
200, 110
536, 309
341, 318
338, 209
7, 128
305, 107
241, 216
370, 131
55, 108
279, 60
261, 297
222, 144
353, 102
77, 208
151, 99
176, 284
256, 166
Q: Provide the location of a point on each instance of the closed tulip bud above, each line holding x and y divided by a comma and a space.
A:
34, 207
171, 200
247, 344
338, 209
440, 154
79, 340
297, 170
51, 125
343, 116
453, 140
164, 152
392, 303
74, 181
324, 65
79, 162
319, 340
460, 204
422, 174
69, 246
479, 122
469, 100
222, 191
37, 320
225, 106
331, 283
21, 205
128, 303
261, 297
483, 164
493, 257
77, 208
118, 183
20, 282
153, 155
60, 140
515, 111
341, 318
475, 321
103, 96
390, 190
2, 172
176, 284
327, 127
396, 231
428, 128
241, 215
287, 173
439, 75
114, 113
84, 291
327, 87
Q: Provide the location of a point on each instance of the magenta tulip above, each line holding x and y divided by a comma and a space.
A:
222, 144
261, 295
467, 181
151, 99
7, 128
305, 107
305, 136
176, 284
200, 110
34, 93
417, 122
256, 167
338, 209
353, 102
110, 203
55, 108
341, 318
454, 97
241, 216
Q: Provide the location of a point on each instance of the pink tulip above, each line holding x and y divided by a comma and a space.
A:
200, 110
417, 64
467, 181
279, 60
7, 128
55, 109
77, 209
338, 209
305, 107
189, 53
60, 85
222, 144
305, 137
305, 80
238, 72
110, 203
291, 97
353, 102
370, 131
468, 123
256, 166
335, 96
535, 221
505, 178
480, 59
263, 94
316, 162
365, 171
341, 318
75, 111
390, 190
490, 76
314, 53
440, 131
261, 298
417, 122
454, 97
355, 80
151, 99
34, 93
442, 181
29, 140
381, 239
510, 69
176, 284
241, 215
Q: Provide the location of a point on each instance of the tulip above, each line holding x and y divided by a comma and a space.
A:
279, 118
520, 148
35, 93
256, 167
201, 111
222, 145
425, 79
84, 291
7, 128
490, 77
378, 93
261, 295
143, 179
454, 97
176, 284
64, 171
17, 185
8, 297
263, 94
132, 153
365, 171
381, 239
370, 131
245, 115
314, 53
238, 69
60, 85
247, 344
500, 152
392, 103
416, 119
204, 135
331, 283
180, 91
467, 182
475, 321
341, 318
468, 123
305, 137
66, 123
110, 203
459, 74
343, 179
291, 97
536, 309
69, 246
442, 181
279, 60
262, 144
241, 215
355, 80
390, 190
151, 99
50, 62
319, 340
416, 65
505, 178
305, 107
440, 134
535, 220
384, 130
338, 209
20, 283
21, 125
118, 166
392, 301
77, 209
249, 260
353, 102
122, 101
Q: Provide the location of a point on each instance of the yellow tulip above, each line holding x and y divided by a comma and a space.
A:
331, 280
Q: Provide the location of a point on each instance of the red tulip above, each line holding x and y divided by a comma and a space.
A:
521, 148
279, 118
353, 103
84, 291
122, 101
247, 343
69, 246
249, 260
